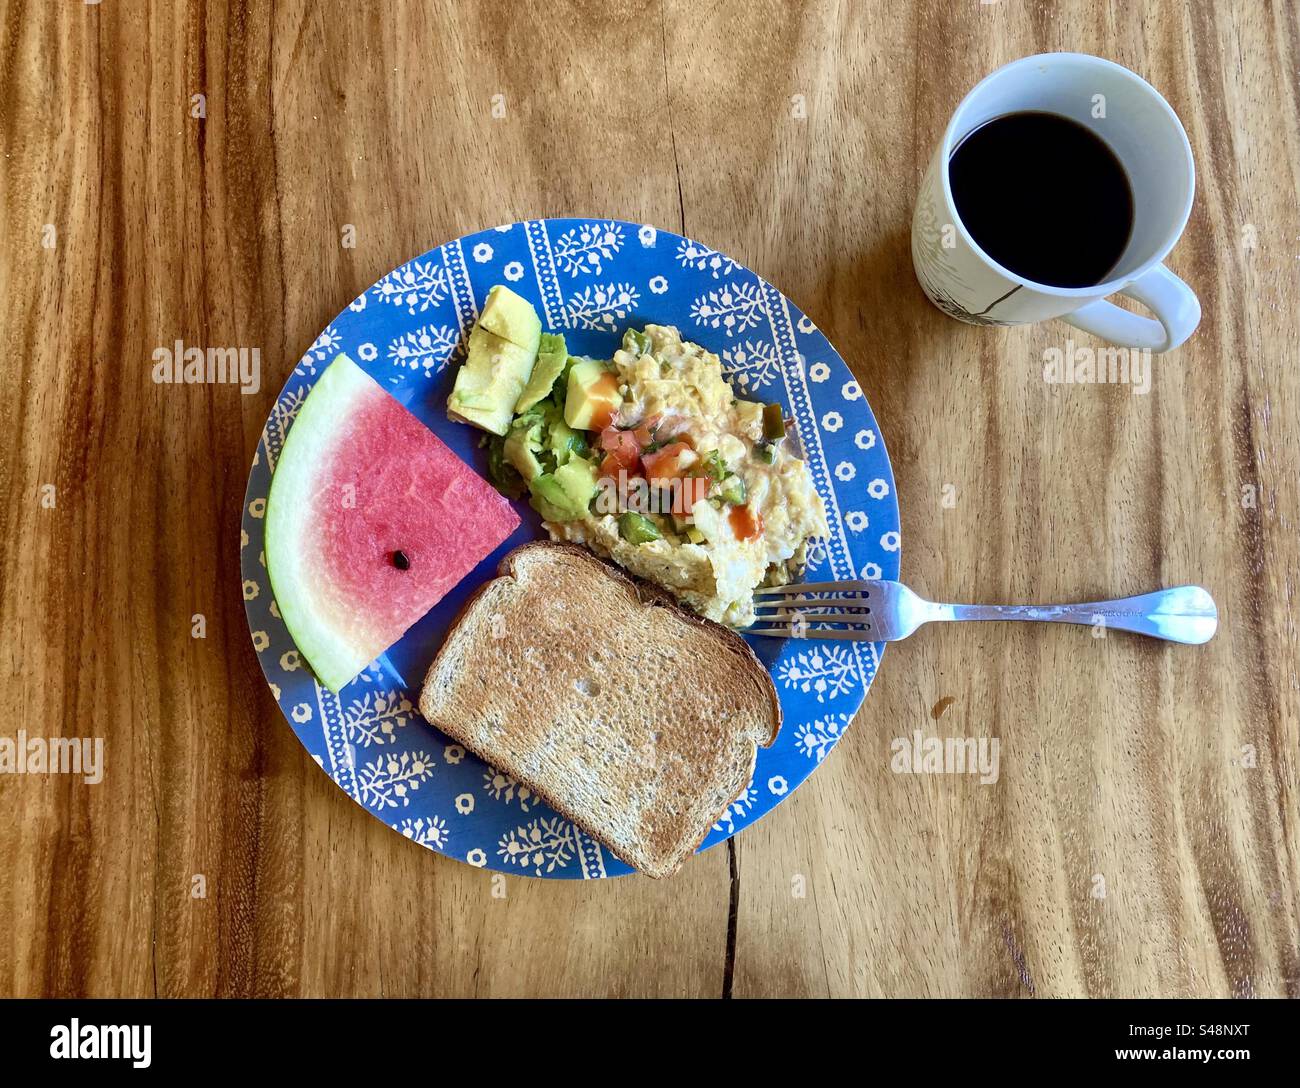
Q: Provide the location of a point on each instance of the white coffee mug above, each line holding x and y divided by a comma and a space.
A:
1145, 134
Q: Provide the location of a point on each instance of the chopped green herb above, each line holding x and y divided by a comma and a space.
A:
733, 491
713, 466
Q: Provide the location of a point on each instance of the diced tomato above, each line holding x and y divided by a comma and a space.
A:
603, 417
614, 460
621, 451
631, 461
614, 440
645, 433
668, 463
746, 523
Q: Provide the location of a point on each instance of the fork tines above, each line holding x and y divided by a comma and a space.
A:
842, 610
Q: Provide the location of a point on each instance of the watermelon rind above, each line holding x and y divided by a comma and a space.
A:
333, 656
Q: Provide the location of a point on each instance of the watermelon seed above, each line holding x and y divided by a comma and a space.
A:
400, 561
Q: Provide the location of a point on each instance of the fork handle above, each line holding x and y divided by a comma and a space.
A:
1184, 614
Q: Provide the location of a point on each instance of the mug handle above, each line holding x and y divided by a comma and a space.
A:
1177, 310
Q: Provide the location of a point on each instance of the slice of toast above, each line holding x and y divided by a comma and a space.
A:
636, 719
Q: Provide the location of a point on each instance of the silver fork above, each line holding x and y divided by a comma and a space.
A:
880, 611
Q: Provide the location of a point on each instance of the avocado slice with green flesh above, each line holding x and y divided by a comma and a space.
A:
489, 381
551, 357
593, 397
564, 495
504, 476
547, 498
512, 318
578, 478
562, 440
521, 447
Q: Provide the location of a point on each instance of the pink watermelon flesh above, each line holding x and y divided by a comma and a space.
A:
382, 483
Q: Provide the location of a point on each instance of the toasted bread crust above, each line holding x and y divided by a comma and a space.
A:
464, 721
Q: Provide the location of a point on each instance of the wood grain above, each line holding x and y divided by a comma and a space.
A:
1122, 762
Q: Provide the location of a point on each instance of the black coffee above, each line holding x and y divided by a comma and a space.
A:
1043, 196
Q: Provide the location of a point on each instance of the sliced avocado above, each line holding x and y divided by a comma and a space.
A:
489, 381
549, 500
504, 476
578, 478
564, 495
520, 452
512, 318
562, 440
560, 390
551, 358
593, 396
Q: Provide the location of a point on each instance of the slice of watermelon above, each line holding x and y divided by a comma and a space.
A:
359, 481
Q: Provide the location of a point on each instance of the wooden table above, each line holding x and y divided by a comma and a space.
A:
1142, 836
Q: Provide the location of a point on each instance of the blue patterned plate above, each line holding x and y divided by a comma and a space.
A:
590, 279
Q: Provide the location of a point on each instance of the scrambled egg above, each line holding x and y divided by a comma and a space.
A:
681, 384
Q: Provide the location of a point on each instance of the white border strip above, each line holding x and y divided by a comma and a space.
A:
539, 249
